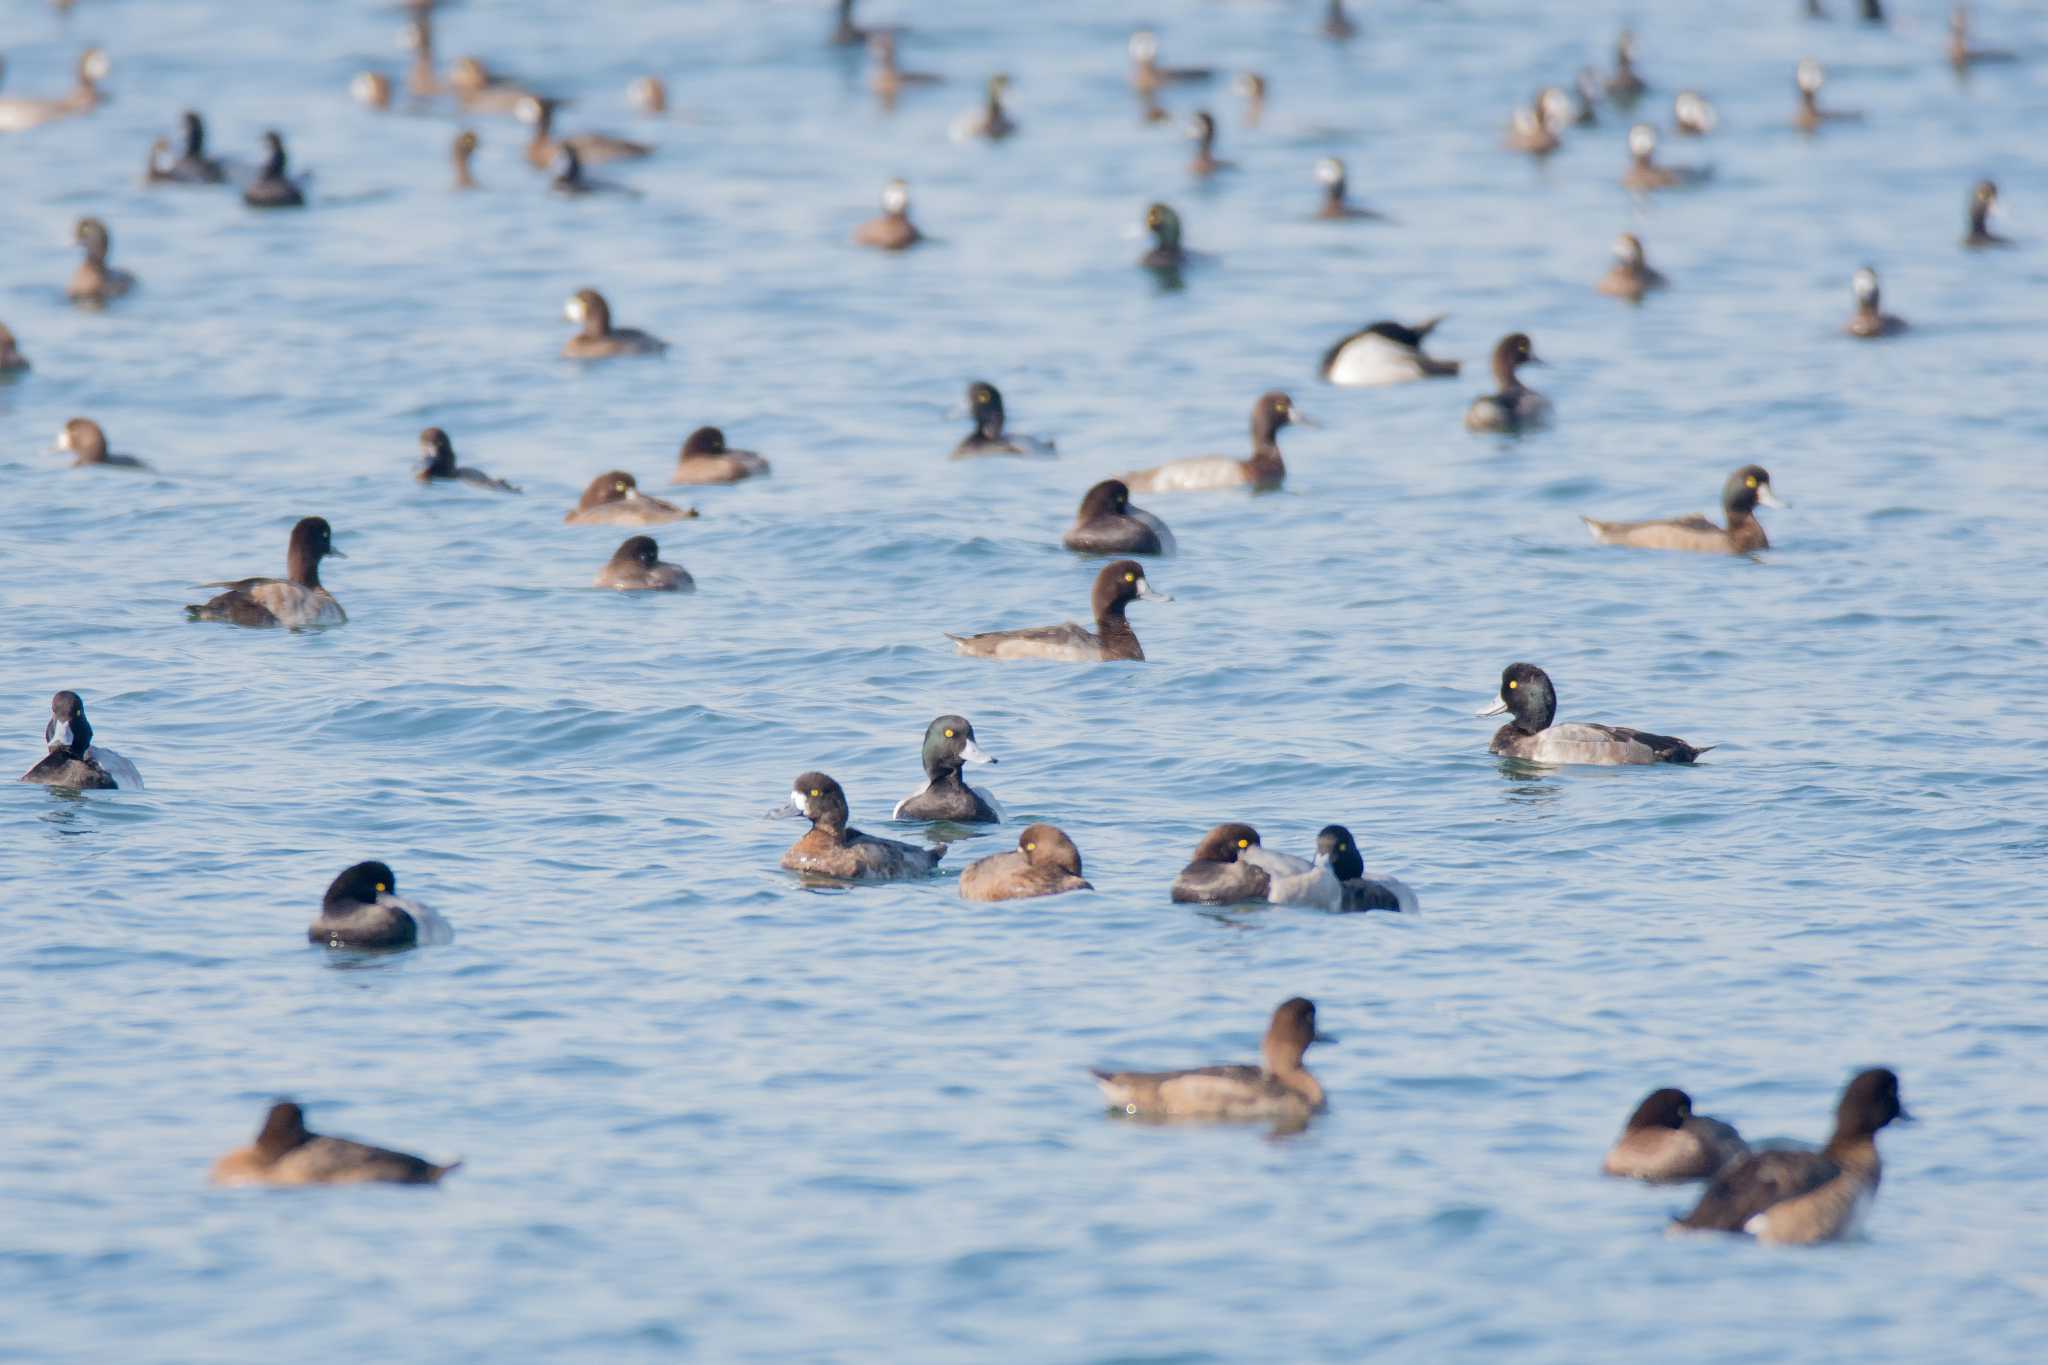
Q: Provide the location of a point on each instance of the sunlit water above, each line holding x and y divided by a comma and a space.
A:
705, 1111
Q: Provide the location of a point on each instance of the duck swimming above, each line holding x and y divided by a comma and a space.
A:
833, 849
1645, 174
892, 230
478, 90
193, 166
598, 339
1810, 78
1107, 524
569, 177
1045, 863
847, 33
1118, 585
887, 79
1337, 25
1220, 873
1263, 471
1625, 87
87, 445
1983, 199
590, 148
272, 188
460, 152
18, 114
1746, 489
704, 459
1529, 129
1870, 320
1334, 880
1525, 691
1665, 1142
990, 122
985, 405
1385, 353
362, 909
1961, 55
437, 465
1797, 1198
647, 95
637, 566
1331, 175
1630, 277
1515, 406
372, 90
286, 1153
1166, 254
614, 499
1691, 115
1280, 1087
1252, 86
295, 601
73, 760
95, 283
1148, 76
948, 745
1202, 129
12, 361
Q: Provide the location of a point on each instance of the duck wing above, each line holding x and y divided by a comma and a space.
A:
1671, 533
1068, 641
120, 769
1190, 475
1754, 1184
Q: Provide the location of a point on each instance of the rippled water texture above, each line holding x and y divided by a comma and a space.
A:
707, 1112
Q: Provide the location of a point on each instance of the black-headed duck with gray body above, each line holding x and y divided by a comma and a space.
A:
705, 459
1334, 880
437, 465
989, 121
1202, 129
892, 229
273, 188
832, 848
362, 909
1526, 694
1219, 873
591, 148
1810, 77
1870, 320
294, 601
1665, 1142
193, 166
1645, 173
287, 1153
985, 406
1116, 587
1147, 75
12, 361
1045, 863
948, 746
1797, 1198
1335, 180
598, 339
87, 445
614, 498
1107, 524
73, 760
18, 114
1264, 470
1514, 406
1385, 353
1746, 489
637, 566
1630, 277
1983, 200
95, 283
1961, 55
1280, 1087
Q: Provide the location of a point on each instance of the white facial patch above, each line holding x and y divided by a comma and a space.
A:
1642, 140
895, 197
1329, 171
64, 439
574, 310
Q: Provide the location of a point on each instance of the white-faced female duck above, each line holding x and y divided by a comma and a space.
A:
1337, 25
437, 464
273, 188
1526, 694
1625, 86
1331, 175
1167, 254
1961, 55
1983, 200
362, 909
598, 339
295, 601
1252, 86
614, 499
834, 849
1045, 863
1116, 587
460, 152
1280, 1087
1107, 524
286, 1153
948, 746
1692, 115
637, 566
590, 148
1800, 1197
1333, 880
1746, 489
1147, 75
988, 121
73, 760
18, 114
1385, 353
1514, 406
372, 90
1264, 470
1529, 128
1630, 277
1202, 129
985, 406
892, 230
95, 283
193, 166
1810, 78
887, 79
1870, 320
1219, 873
1645, 173
86, 443
647, 95
12, 361
706, 459
1665, 1142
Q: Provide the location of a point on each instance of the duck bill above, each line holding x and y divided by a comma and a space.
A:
1325, 1039
1148, 593
1904, 1116
1767, 498
791, 809
1499, 708
974, 753
333, 553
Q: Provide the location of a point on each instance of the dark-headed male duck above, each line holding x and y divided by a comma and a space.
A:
598, 339
87, 445
591, 148
1746, 489
1514, 406
1116, 587
1630, 277
1167, 254
286, 1153
1264, 470
988, 121
362, 909
73, 760
1983, 202
832, 848
1625, 87
637, 566
985, 405
1385, 353
1334, 880
706, 459
1147, 75
1870, 320
892, 229
569, 178
847, 33
1280, 1087
1107, 524
1332, 176
614, 499
273, 188
948, 746
1526, 694
95, 283
1646, 173
17, 113
1219, 873
1665, 1142
294, 601
193, 166
437, 465
1045, 863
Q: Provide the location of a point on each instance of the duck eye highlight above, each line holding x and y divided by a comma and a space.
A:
1031, 848
381, 886
1512, 684
949, 734
1244, 843
1751, 481
1130, 578
815, 792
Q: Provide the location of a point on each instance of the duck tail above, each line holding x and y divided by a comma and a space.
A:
440, 1171
1428, 325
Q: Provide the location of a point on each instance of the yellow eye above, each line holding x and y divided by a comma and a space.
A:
1340, 848
1031, 848
1751, 481
1130, 578
380, 886
1513, 685
949, 734
815, 792
618, 488
1244, 843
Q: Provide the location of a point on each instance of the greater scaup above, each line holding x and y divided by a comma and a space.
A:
1983, 201
1625, 86
1280, 1087
437, 464
1107, 524
87, 444
73, 760
1630, 277
1526, 693
892, 229
1166, 254
833, 849
1218, 873
295, 601
1514, 406
1385, 353
988, 120
362, 909
614, 499
948, 746
95, 283
1665, 1142
985, 406
1045, 863
193, 166
1334, 880
1118, 585
704, 458
637, 566
1264, 470
18, 114
590, 148
1746, 488
272, 188
1332, 176
1870, 320
286, 1153
598, 339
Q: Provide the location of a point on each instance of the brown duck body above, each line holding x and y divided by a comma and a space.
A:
1116, 587
1280, 1088
1744, 534
835, 849
285, 1153
1217, 875
1044, 863
294, 601
614, 499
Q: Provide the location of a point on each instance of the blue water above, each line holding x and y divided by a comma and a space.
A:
708, 1113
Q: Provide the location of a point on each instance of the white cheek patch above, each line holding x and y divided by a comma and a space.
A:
573, 310
64, 439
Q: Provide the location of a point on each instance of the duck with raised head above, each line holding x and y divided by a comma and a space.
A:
1264, 470
1148, 76
614, 499
1529, 128
948, 746
1625, 86
362, 909
705, 459
1870, 320
647, 95
1202, 130
1527, 695
1045, 863
1810, 77
1630, 277
18, 113
460, 152
95, 283
295, 601
1333, 880
83, 439
1664, 1142
989, 437
192, 166
1219, 873
1796, 1197
1385, 352
592, 149
12, 361
890, 230
1280, 1087
1692, 115
73, 760
835, 849
422, 81
1167, 255
287, 1153
1332, 176
273, 188
1961, 55
596, 338
637, 566
1747, 488
1116, 587
437, 465
1983, 203
1107, 524
989, 121
886, 78
1514, 406
847, 33
1646, 173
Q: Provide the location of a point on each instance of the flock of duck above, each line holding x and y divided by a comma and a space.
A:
1777, 1195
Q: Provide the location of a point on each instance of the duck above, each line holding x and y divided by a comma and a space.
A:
637, 566
887, 79
834, 849
372, 90
704, 458
598, 339
614, 499
286, 1153
892, 229
1810, 77
295, 601
1263, 471
1746, 489
1630, 277
1045, 863
847, 33
1331, 175
1515, 406
569, 177
591, 148
1645, 174
1529, 129
479, 90
1220, 873
460, 152
83, 439
12, 361
1116, 587
95, 283
1252, 87
990, 121
1961, 55
1337, 25
985, 405
437, 465
1797, 1198
1625, 87
1666, 1143
1983, 200
1167, 254
73, 760
1334, 880
1561, 108
1692, 115
17, 114
1280, 1087
193, 166
1873, 11
421, 80
647, 95
1385, 352
1202, 129
1107, 524
1870, 320
1587, 83
362, 909
1148, 76
949, 745
1526, 693
272, 188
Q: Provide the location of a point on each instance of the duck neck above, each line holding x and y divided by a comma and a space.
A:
1333, 194
1980, 218
1855, 1153
302, 566
989, 426
1119, 641
1504, 374
946, 778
